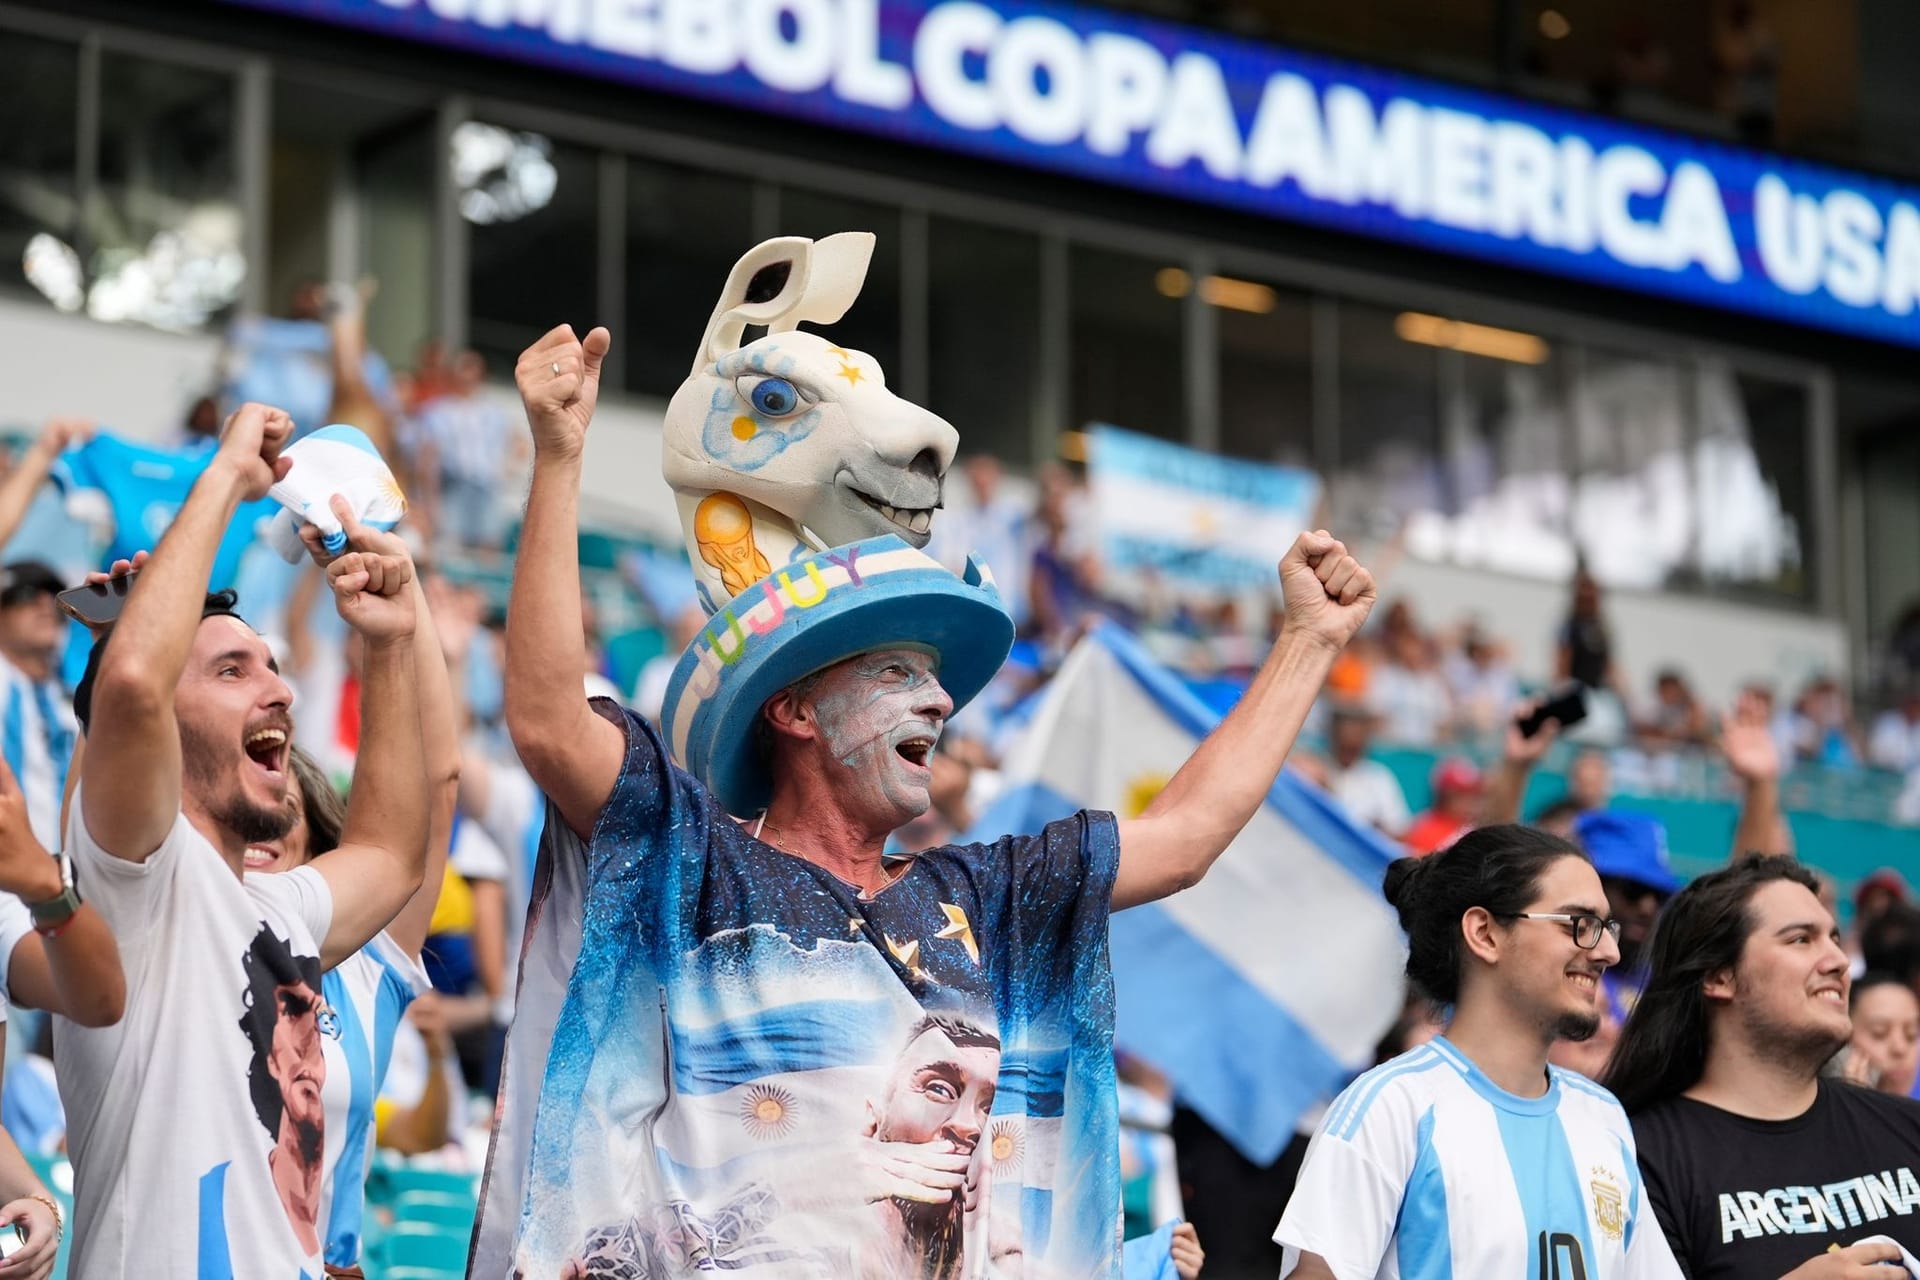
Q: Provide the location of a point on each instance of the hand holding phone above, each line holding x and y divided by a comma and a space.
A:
97, 604
1566, 708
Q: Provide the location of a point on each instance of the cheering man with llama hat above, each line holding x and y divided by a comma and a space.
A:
747, 1039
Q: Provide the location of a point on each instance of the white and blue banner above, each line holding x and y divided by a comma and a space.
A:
1225, 121
1262, 990
1197, 521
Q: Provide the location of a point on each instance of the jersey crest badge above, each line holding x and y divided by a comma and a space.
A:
1609, 1208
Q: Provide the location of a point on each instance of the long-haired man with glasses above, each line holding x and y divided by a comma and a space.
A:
1471, 1156
1755, 1164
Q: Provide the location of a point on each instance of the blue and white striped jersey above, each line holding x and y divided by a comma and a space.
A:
368, 994
37, 731
1424, 1169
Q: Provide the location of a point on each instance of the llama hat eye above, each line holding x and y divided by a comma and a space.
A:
771, 397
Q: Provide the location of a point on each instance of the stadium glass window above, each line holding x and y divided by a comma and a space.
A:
531, 208
1127, 364
1387, 462
1750, 474
1266, 370
1502, 484
685, 230
38, 150
162, 235
1634, 510
983, 302
873, 323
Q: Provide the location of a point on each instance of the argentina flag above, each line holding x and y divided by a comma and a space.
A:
1262, 990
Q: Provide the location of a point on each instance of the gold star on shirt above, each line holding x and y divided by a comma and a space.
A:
853, 925
959, 927
907, 953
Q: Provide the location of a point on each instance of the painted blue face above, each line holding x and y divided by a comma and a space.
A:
758, 409
880, 715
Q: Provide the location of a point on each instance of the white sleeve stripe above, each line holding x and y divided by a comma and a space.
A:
1344, 1105
1352, 1125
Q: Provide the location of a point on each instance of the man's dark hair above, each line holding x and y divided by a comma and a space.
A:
1891, 942
963, 1033
1565, 809
24, 581
1495, 868
269, 965
218, 604
1663, 1048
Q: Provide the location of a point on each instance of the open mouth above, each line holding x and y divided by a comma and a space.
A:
1585, 982
911, 519
916, 752
1832, 995
260, 857
267, 748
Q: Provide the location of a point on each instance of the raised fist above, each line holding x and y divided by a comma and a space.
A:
1328, 593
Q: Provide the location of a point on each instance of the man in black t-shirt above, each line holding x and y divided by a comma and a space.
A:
1755, 1164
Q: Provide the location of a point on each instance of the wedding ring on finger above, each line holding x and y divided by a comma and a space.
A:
556, 368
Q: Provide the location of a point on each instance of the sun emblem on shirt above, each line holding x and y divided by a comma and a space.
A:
766, 1112
1141, 792
1609, 1208
1007, 1145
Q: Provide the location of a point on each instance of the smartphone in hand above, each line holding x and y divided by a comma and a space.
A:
97, 605
1568, 707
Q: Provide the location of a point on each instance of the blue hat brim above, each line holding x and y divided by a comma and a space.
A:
903, 598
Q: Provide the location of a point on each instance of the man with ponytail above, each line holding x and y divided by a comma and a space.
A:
1471, 1156
1756, 1164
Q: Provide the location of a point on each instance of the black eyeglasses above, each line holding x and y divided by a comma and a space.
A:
1586, 928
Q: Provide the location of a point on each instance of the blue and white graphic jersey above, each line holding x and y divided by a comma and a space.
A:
37, 736
134, 491
1424, 1169
368, 994
727, 1060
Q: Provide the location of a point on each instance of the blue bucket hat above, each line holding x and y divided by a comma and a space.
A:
1627, 846
821, 609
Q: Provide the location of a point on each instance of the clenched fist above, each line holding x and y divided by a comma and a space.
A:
1328, 593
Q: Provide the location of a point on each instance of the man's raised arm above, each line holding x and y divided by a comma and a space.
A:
573, 755
131, 771
1226, 780
379, 862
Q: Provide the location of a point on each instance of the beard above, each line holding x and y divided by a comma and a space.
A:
1804, 1047
933, 1235
1577, 1027
311, 1137
250, 822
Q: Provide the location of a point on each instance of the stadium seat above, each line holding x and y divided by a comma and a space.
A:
439, 1209
415, 1244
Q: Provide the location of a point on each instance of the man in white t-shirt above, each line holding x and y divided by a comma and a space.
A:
196, 1121
1367, 788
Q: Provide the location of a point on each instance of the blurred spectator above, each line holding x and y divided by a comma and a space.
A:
1482, 682
1677, 718
1823, 725
202, 422
1903, 647
461, 444
1590, 780
1459, 795
984, 518
1879, 893
1884, 1053
289, 363
1895, 743
1366, 787
1629, 850
40, 726
1747, 61
1408, 692
1064, 575
1584, 650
